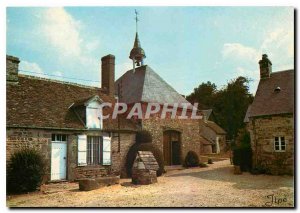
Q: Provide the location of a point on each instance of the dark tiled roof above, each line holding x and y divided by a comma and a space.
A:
215, 127
144, 85
206, 112
148, 159
36, 102
205, 141
267, 101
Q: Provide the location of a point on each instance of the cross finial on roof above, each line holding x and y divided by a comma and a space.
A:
136, 19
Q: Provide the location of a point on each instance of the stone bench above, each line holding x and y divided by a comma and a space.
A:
88, 184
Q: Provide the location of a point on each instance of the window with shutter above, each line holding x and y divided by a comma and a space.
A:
106, 151
82, 147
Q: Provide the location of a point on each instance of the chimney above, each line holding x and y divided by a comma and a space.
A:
265, 67
12, 68
108, 74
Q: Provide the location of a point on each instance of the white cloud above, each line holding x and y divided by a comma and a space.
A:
31, 68
279, 45
65, 37
237, 51
92, 45
62, 31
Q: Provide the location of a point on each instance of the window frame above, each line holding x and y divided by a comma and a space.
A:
93, 157
280, 142
58, 138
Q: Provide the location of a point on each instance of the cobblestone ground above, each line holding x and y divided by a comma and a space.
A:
214, 186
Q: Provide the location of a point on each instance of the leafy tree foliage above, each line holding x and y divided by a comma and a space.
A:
229, 104
204, 95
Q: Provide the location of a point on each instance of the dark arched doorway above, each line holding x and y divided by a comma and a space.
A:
172, 148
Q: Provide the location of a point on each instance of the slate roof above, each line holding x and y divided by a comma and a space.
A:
267, 101
44, 103
145, 85
215, 127
148, 159
205, 141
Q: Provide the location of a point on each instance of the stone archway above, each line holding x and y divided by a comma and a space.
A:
172, 147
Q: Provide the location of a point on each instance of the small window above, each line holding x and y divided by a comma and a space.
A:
59, 138
93, 150
279, 144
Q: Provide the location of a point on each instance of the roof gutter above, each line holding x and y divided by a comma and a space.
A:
69, 129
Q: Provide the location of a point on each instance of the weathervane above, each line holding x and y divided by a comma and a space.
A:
136, 19
137, 54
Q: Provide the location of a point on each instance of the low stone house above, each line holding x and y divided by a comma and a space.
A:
213, 136
270, 120
62, 120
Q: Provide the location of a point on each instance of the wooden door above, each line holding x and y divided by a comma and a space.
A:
166, 149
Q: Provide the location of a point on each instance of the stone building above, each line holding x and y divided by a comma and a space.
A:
270, 120
173, 137
213, 136
62, 120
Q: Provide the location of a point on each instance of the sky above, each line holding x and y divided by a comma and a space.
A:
184, 45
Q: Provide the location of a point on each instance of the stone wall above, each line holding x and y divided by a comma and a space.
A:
206, 149
222, 143
189, 129
263, 131
41, 140
119, 158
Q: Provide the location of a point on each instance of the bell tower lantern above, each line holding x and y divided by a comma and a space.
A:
137, 54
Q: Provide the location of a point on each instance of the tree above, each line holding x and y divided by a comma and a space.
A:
229, 104
204, 95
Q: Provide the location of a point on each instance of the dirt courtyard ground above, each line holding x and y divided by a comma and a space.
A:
214, 186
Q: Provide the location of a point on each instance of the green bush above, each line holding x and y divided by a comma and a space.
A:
202, 165
25, 171
242, 154
143, 136
191, 159
131, 155
210, 161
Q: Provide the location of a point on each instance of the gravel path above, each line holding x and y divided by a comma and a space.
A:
214, 186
